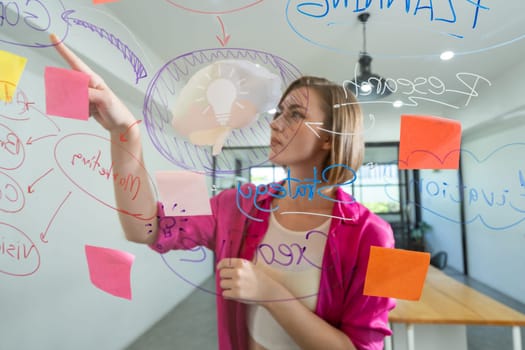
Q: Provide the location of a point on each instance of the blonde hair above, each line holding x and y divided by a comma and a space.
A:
345, 119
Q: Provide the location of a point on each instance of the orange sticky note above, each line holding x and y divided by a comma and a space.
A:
110, 270
66, 93
11, 69
428, 142
396, 273
183, 193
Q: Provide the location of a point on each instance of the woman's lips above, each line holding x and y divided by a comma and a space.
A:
274, 142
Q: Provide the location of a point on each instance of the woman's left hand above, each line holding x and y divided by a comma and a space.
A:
243, 281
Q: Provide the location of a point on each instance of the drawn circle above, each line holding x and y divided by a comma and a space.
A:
74, 140
18, 251
496, 214
34, 23
12, 185
324, 24
163, 90
199, 7
12, 144
215, 292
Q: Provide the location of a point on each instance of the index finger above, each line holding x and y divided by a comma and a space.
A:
73, 60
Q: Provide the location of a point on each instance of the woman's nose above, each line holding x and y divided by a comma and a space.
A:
277, 123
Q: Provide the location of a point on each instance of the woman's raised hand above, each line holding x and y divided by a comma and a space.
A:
126, 156
104, 105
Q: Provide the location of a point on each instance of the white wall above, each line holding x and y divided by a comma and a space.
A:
56, 306
493, 145
495, 238
441, 210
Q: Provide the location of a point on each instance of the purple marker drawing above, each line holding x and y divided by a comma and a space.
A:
167, 84
138, 67
28, 23
283, 254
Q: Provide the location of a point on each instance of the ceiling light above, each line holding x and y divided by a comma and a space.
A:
397, 103
446, 55
367, 86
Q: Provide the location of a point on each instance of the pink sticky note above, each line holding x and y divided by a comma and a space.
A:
103, 1
428, 142
66, 93
110, 269
183, 193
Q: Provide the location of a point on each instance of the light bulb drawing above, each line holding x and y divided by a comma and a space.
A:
221, 94
225, 95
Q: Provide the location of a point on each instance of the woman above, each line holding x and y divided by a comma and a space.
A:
291, 257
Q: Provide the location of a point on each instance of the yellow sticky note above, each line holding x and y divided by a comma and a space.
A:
11, 68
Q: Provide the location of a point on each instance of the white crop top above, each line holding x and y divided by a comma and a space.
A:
294, 259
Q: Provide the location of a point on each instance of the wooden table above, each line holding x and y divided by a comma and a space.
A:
445, 301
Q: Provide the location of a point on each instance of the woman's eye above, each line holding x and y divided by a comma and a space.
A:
296, 115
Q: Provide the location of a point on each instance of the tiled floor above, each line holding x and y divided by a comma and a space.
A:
191, 325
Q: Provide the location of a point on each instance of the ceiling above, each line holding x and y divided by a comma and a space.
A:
322, 37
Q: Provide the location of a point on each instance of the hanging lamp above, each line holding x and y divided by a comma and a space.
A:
367, 86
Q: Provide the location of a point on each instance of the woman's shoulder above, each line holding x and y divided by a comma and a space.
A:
369, 226
240, 196
241, 190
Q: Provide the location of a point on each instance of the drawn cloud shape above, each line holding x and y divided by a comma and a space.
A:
225, 95
493, 193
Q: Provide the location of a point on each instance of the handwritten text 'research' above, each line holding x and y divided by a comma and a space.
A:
429, 89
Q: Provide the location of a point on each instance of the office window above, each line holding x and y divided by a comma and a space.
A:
266, 174
377, 187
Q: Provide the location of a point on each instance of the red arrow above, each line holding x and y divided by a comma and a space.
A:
139, 216
43, 234
225, 38
24, 101
30, 187
6, 83
47, 117
31, 140
123, 135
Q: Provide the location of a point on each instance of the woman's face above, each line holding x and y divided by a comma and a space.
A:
295, 138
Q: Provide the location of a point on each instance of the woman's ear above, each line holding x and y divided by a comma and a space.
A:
327, 142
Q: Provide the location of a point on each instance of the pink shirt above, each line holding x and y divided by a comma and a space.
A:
340, 301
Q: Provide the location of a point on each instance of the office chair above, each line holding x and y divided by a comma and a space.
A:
439, 260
